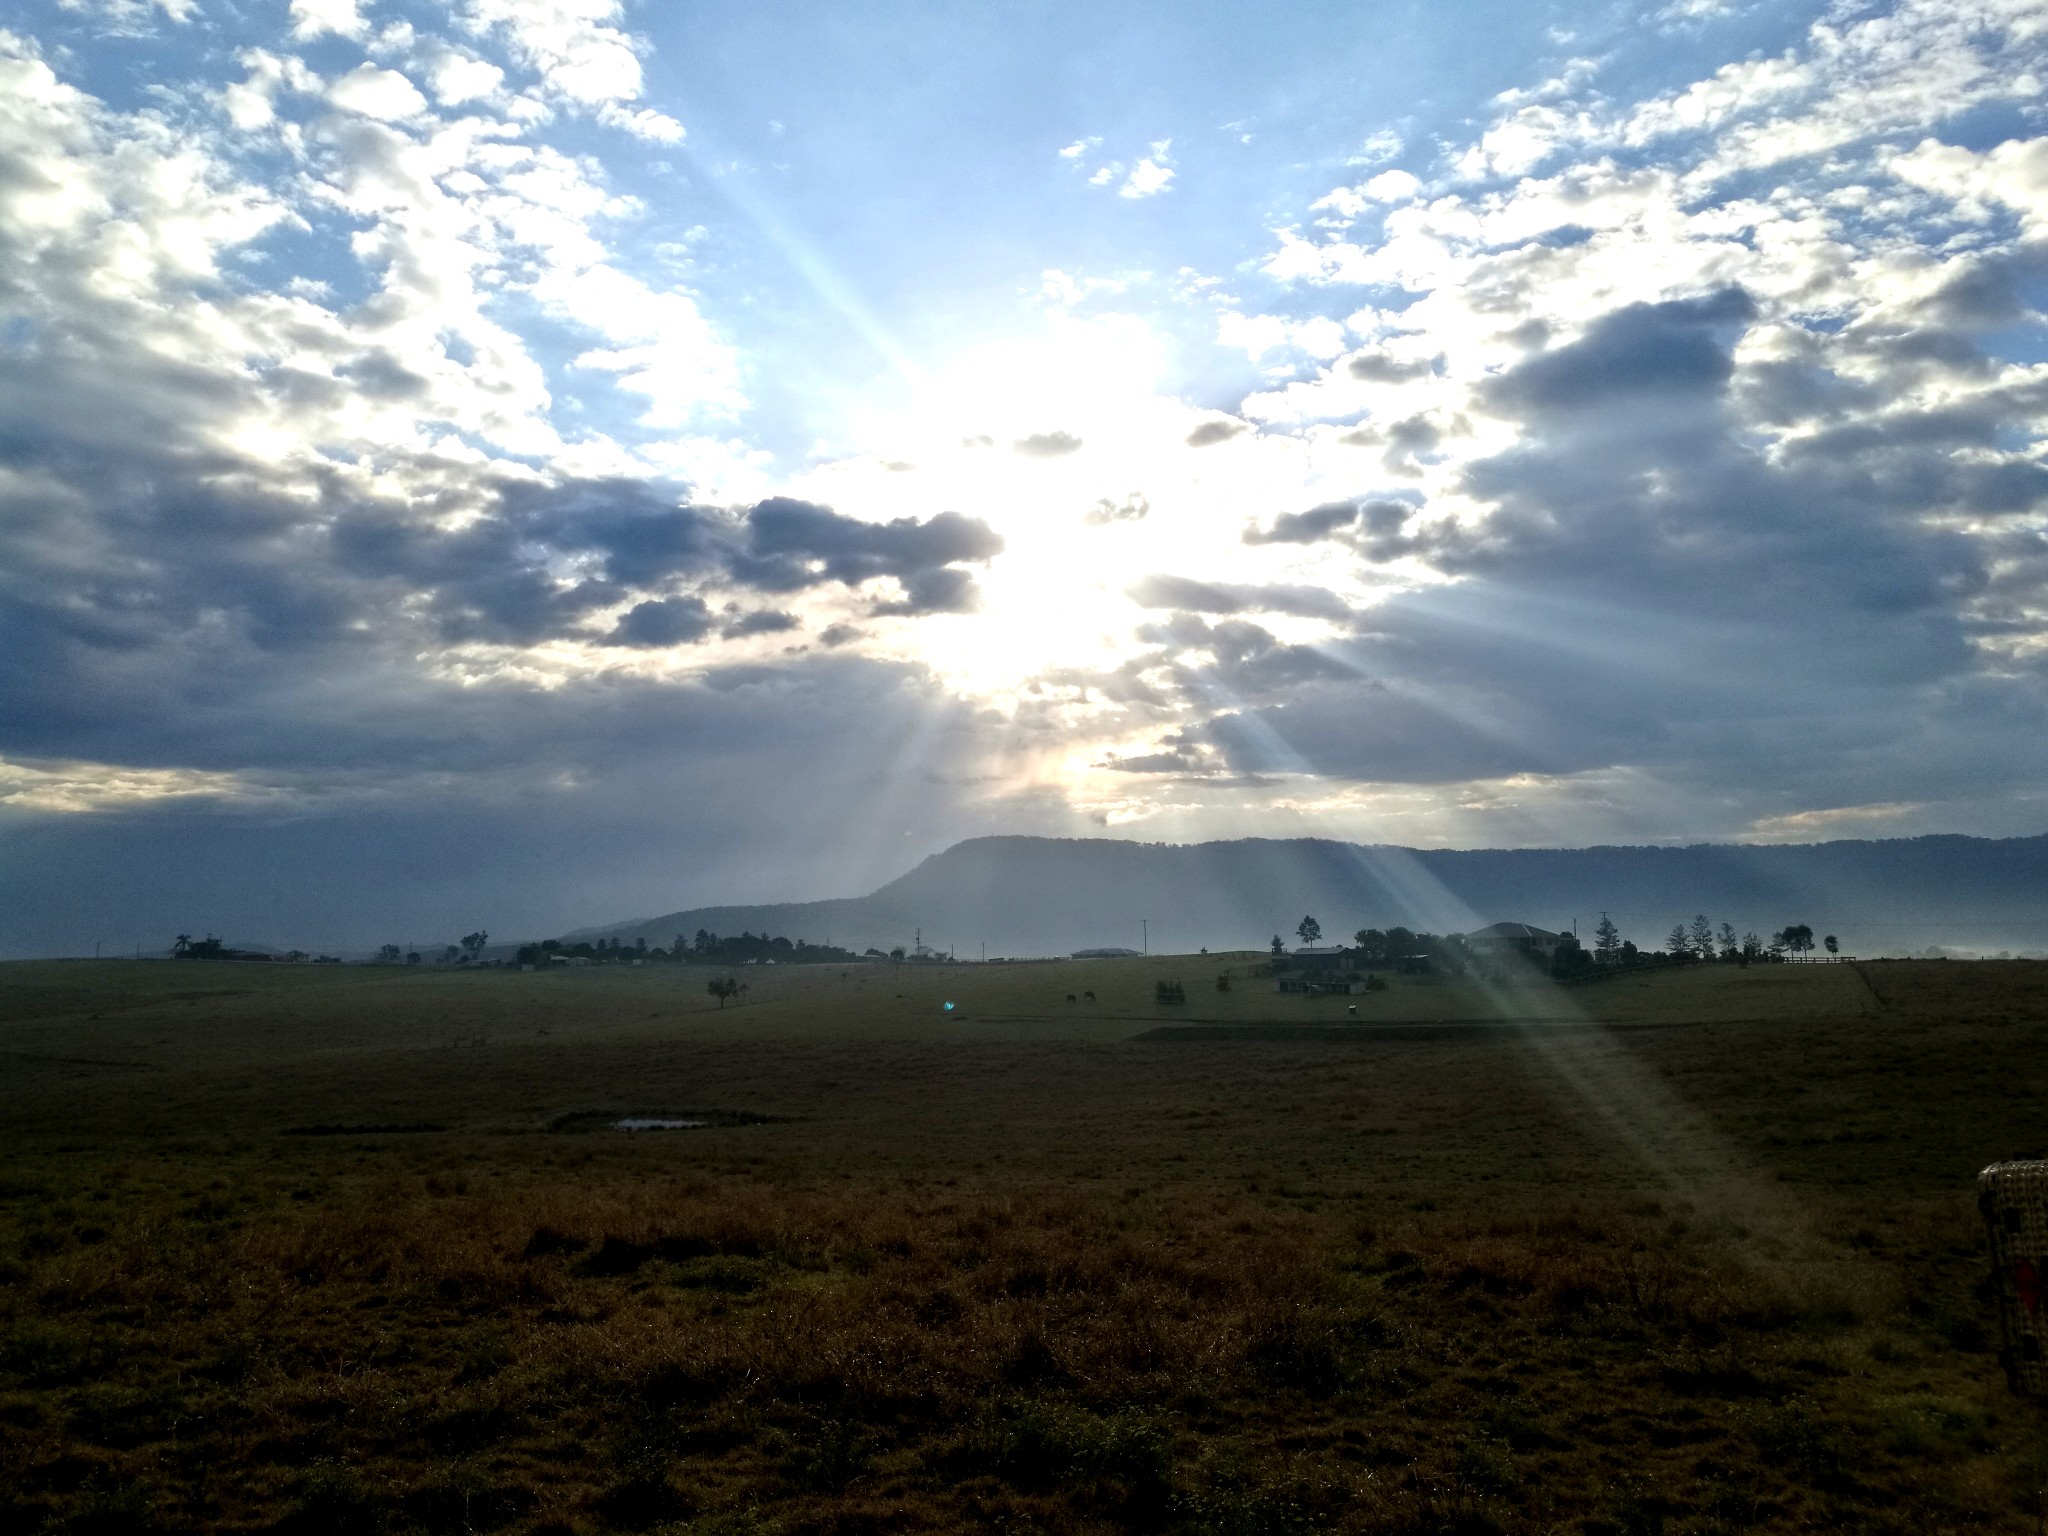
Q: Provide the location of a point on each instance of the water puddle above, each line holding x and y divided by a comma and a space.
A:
661, 1119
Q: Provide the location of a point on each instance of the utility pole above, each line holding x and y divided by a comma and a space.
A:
1145, 923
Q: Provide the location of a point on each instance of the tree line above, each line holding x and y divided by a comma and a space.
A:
1696, 942
704, 948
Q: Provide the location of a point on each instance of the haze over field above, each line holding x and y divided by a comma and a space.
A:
525, 462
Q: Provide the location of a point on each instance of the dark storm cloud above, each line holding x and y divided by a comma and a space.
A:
1378, 368
1230, 597
663, 622
793, 544
763, 621
1310, 527
1652, 591
1244, 661
1368, 523
1220, 430
1646, 352
1047, 445
405, 806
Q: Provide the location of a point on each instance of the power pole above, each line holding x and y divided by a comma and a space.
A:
1145, 923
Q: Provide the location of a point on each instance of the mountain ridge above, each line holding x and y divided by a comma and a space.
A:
1022, 895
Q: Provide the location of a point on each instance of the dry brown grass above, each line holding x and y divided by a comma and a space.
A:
1053, 1287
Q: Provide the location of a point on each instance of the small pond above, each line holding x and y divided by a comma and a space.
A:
663, 1119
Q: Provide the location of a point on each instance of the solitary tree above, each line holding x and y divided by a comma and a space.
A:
389, 954
1279, 949
1606, 941
1676, 943
475, 942
1309, 929
1834, 946
1702, 937
722, 987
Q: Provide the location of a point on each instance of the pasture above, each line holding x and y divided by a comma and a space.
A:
356, 1250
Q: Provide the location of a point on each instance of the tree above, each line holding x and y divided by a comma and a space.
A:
722, 987
389, 954
1279, 949
1309, 929
1702, 937
413, 958
1833, 944
1675, 942
475, 942
448, 955
1372, 944
1752, 948
1569, 960
1797, 937
1606, 941
1731, 946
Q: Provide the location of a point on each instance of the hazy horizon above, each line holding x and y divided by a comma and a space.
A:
519, 462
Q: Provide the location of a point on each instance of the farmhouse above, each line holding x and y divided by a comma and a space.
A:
1319, 969
1514, 939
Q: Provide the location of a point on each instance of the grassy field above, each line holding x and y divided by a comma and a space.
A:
348, 1250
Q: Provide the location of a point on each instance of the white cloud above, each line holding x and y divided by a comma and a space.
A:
383, 94
2014, 174
456, 77
315, 18
1681, 13
130, 18
581, 56
1080, 147
1392, 187
1151, 175
573, 45
1378, 148
642, 123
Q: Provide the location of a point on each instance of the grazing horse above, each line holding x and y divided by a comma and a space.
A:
1070, 997
1088, 997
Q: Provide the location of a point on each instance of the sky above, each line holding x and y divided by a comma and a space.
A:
530, 463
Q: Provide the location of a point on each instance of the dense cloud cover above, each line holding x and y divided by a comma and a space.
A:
1657, 463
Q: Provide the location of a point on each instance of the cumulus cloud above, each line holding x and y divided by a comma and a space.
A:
1151, 175
313, 18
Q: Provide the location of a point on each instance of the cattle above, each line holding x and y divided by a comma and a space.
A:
1070, 999
1088, 997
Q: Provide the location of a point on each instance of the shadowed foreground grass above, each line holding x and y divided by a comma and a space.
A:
1053, 1286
